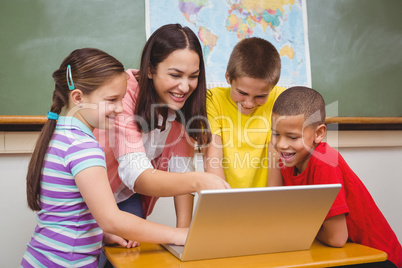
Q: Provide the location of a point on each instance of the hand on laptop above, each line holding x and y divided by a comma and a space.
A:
181, 236
208, 181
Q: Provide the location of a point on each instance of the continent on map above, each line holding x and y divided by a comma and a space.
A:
287, 51
190, 9
242, 27
245, 15
208, 40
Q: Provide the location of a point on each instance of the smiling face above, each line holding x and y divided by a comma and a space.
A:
248, 93
100, 108
294, 141
176, 78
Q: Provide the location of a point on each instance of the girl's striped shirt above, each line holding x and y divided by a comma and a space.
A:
67, 235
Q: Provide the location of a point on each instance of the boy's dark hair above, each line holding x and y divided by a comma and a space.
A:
301, 100
256, 58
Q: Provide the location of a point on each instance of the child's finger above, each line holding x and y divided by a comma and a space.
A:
132, 244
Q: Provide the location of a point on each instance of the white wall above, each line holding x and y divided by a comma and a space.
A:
376, 166
378, 169
17, 221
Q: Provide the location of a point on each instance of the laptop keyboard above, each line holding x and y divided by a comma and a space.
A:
177, 248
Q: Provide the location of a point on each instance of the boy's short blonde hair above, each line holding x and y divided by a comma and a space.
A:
301, 100
255, 58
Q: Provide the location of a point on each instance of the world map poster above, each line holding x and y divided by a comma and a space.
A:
221, 24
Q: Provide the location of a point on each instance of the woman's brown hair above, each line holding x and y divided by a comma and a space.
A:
159, 46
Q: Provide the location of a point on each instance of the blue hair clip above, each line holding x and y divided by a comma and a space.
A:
69, 78
52, 116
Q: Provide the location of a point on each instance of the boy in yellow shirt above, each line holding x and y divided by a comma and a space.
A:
240, 115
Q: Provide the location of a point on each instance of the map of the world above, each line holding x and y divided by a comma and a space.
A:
220, 24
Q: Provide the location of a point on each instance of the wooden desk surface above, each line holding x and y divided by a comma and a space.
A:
319, 255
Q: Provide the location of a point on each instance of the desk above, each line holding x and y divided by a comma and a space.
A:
319, 255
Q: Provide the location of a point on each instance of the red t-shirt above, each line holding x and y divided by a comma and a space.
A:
366, 224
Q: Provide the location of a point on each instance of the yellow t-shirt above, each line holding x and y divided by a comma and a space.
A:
245, 138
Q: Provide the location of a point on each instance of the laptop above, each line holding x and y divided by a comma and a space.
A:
248, 221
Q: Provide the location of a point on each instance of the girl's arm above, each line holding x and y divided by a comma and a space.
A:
213, 156
334, 231
183, 203
95, 189
184, 210
274, 173
153, 182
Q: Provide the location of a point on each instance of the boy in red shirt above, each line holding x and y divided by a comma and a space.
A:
298, 127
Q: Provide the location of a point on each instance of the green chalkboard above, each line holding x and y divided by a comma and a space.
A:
356, 55
36, 35
355, 49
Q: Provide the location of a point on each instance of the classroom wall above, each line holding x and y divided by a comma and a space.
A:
376, 166
354, 47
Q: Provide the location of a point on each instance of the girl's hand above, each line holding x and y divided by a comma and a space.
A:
207, 181
180, 236
110, 239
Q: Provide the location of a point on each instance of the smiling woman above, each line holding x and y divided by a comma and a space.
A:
176, 78
151, 150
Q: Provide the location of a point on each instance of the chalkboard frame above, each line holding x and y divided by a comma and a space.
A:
35, 123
